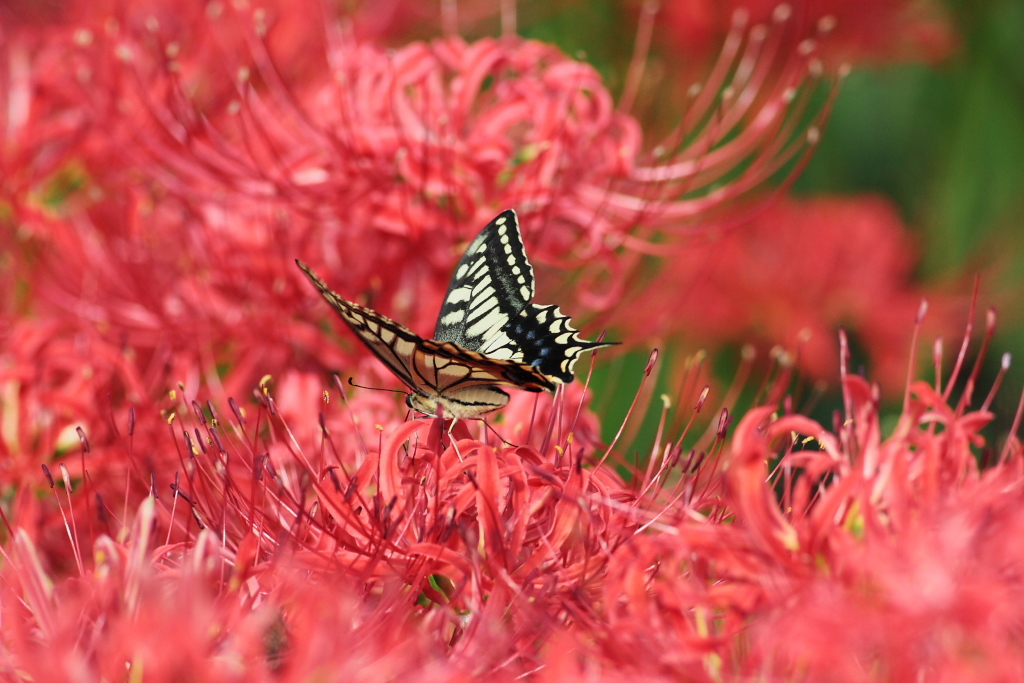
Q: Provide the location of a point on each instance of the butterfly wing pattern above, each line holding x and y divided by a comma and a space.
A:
487, 308
488, 334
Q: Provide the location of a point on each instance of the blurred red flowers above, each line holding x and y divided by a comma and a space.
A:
794, 275
859, 30
807, 553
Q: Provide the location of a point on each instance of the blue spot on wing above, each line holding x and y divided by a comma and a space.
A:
533, 336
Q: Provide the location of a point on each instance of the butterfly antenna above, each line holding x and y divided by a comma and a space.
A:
351, 383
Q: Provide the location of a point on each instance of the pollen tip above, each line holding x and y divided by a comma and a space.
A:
806, 47
922, 310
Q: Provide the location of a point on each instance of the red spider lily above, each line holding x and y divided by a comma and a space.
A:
892, 554
41, 131
793, 276
405, 155
201, 614
914, 542
275, 542
407, 490
402, 533
53, 383
171, 269
859, 31
413, 151
886, 558
62, 133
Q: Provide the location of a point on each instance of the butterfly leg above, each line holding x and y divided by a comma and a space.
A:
451, 439
451, 426
494, 431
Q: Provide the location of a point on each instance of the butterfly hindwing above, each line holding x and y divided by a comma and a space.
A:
488, 307
547, 341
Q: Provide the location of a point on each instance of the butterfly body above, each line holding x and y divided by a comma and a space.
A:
488, 334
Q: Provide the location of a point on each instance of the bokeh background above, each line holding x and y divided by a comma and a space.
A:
918, 181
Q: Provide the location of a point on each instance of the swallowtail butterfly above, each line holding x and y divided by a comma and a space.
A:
488, 334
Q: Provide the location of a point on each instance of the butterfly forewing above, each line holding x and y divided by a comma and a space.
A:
492, 284
390, 341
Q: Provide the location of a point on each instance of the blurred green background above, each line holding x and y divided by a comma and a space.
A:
943, 141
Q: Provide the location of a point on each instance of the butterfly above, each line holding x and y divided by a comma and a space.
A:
488, 335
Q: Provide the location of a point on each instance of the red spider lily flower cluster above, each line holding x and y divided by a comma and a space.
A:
419, 552
159, 184
799, 270
413, 150
790, 551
